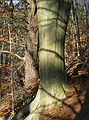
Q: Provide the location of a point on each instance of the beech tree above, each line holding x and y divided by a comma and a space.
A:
52, 18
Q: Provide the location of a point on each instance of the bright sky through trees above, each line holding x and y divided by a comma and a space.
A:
15, 1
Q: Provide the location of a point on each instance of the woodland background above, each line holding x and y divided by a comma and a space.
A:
13, 35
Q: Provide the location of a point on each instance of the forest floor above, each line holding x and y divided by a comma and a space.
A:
75, 106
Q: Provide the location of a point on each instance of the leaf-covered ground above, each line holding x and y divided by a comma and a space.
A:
76, 104
74, 107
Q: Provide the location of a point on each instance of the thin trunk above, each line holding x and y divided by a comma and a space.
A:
11, 9
85, 13
31, 73
86, 22
1, 60
11, 73
76, 28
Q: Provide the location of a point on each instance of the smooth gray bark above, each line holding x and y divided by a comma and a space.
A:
52, 22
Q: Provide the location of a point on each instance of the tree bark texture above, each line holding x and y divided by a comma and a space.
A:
52, 22
31, 73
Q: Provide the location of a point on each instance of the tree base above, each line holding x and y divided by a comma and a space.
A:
42, 102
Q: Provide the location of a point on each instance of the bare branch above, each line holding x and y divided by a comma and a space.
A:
13, 54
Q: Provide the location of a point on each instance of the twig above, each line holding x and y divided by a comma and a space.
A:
13, 54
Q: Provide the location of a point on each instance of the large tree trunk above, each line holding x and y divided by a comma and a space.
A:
52, 22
